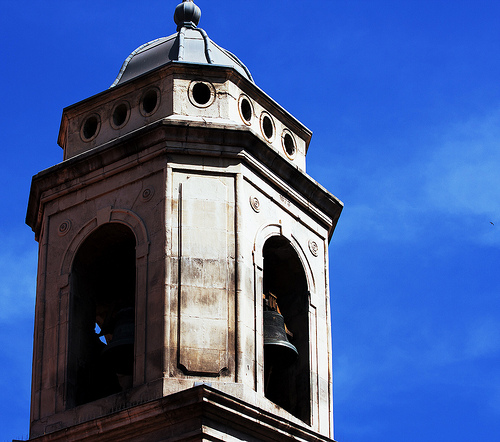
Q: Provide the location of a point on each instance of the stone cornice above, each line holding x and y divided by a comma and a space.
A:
194, 414
177, 136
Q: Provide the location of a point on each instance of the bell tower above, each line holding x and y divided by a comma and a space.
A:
182, 289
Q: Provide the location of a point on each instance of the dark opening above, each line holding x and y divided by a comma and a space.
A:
120, 114
284, 280
201, 93
150, 101
102, 315
90, 127
289, 144
267, 126
246, 109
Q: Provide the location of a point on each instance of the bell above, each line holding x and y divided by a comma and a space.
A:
277, 350
119, 353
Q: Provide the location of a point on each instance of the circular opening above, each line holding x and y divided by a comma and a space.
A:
90, 127
150, 101
120, 115
267, 127
201, 93
246, 109
289, 145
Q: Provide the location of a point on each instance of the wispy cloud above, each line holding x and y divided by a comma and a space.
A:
462, 176
483, 338
463, 173
455, 179
409, 353
18, 261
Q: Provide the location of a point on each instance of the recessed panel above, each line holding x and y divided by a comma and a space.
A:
205, 234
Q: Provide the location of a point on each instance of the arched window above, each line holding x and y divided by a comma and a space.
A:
285, 291
102, 315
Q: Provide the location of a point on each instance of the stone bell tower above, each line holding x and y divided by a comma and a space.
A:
182, 289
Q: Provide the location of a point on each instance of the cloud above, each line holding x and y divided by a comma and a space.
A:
462, 176
399, 354
18, 261
483, 338
450, 187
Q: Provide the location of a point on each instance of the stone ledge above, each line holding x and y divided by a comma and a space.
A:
198, 414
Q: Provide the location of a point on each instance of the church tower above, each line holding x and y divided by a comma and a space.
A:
182, 289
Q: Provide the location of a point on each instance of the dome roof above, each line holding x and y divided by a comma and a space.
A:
190, 45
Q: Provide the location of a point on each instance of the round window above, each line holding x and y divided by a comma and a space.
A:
201, 93
90, 127
121, 114
246, 111
288, 143
267, 126
150, 102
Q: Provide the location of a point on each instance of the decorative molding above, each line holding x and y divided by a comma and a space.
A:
313, 247
64, 227
255, 203
147, 193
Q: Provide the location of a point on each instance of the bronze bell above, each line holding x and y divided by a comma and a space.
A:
277, 349
119, 353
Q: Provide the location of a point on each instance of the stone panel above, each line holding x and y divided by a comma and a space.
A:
205, 238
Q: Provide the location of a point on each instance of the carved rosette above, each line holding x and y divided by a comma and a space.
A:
255, 203
313, 247
64, 227
148, 193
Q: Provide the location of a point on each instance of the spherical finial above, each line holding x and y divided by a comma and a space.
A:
187, 14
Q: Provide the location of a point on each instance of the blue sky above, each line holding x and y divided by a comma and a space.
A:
403, 98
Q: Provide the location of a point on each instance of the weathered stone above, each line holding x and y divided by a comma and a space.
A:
186, 212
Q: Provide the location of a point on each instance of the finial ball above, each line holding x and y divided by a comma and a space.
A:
187, 14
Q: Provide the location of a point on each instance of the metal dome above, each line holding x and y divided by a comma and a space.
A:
189, 45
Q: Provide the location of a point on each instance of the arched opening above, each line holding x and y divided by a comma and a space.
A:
102, 315
287, 384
